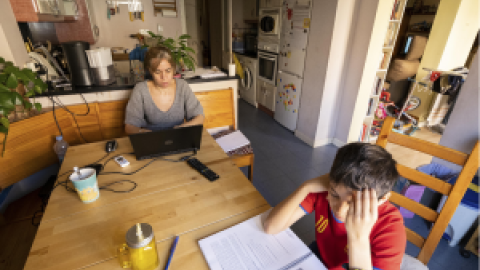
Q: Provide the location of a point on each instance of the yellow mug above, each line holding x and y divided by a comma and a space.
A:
140, 250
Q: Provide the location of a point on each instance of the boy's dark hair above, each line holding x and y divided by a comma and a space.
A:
364, 165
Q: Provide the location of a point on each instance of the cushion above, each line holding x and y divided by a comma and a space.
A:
416, 48
244, 150
402, 69
410, 263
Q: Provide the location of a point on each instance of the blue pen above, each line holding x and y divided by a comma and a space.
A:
172, 250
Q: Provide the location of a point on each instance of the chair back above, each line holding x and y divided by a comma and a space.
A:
454, 192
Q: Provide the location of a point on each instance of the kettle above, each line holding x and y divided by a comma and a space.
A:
140, 250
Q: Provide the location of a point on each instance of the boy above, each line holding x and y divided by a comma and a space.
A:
356, 227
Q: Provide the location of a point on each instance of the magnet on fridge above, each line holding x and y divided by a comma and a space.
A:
306, 23
289, 54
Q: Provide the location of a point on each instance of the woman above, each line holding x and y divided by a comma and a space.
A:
163, 102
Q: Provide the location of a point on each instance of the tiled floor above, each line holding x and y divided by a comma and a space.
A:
283, 162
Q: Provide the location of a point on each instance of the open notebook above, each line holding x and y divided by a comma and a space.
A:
246, 246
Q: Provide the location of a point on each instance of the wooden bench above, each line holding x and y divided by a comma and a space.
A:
30, 141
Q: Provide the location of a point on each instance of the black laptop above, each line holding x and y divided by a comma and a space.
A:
166, 142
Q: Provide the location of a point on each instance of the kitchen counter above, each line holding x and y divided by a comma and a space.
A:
119, 85
119, 91
247, 54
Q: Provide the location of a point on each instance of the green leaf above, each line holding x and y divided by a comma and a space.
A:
40, 86
3, 78
17, 99
28, 105
2, 60
151, 34
4, 121
29, 73
12, 82
8, 64
11, 69
3, 129
3, 88
188, 49
37, 89
186, 36
30, 93
6, 100
38, 106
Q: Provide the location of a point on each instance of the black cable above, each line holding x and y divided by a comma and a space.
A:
106, 187
184, 158
61, 105
55, 117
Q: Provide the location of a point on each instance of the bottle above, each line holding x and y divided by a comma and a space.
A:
60, 148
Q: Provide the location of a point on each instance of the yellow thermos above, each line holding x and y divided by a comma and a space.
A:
140, 250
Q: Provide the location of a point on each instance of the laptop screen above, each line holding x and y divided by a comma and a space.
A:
165, 142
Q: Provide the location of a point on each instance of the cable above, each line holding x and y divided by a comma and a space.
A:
61, 105
184, 158
106, 187
55, 116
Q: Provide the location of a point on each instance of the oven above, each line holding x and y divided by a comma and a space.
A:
267, 66
269, 23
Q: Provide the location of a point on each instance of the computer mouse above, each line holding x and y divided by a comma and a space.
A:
111, 146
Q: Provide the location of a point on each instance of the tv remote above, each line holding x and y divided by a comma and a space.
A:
202, 169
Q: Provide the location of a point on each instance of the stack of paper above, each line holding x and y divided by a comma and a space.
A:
246, 246
213, 74
233, 141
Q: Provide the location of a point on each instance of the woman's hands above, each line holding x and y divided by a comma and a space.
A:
361, 217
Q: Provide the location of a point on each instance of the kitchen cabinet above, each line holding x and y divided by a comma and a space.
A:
266, 95
250, 10
84, 28
70, 7
44, 10
270, 3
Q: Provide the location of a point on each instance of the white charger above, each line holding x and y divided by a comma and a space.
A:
123, 162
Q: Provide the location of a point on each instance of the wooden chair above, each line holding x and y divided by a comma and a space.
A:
454, 192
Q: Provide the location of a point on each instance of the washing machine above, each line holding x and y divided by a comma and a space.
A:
248, 85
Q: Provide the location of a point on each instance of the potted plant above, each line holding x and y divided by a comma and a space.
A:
180, 51
11, 77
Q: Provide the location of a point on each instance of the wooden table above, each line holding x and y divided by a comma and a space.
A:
172, 197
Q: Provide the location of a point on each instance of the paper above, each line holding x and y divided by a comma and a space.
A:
232, 141
247, 247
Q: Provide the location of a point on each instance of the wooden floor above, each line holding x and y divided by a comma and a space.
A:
16, 236
412, 158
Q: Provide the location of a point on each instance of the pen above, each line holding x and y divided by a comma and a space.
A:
172, 250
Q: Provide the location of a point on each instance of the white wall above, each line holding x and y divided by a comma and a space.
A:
11, 42
366, 41
318, 50
462, 130
332, 92
116, 31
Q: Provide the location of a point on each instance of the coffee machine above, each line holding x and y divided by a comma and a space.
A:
80, 74
88, 67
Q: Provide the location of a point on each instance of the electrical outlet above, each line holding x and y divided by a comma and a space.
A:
159, 29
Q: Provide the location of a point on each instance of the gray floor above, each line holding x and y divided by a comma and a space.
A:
283, 162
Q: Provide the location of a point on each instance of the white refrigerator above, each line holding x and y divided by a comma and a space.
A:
296, 16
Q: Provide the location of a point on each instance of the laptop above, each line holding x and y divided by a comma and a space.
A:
166, 142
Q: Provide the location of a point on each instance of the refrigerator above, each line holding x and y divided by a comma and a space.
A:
296, 15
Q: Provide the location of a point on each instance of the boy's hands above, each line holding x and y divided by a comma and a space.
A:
362, 215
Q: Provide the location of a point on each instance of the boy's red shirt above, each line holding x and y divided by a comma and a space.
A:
387, 239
